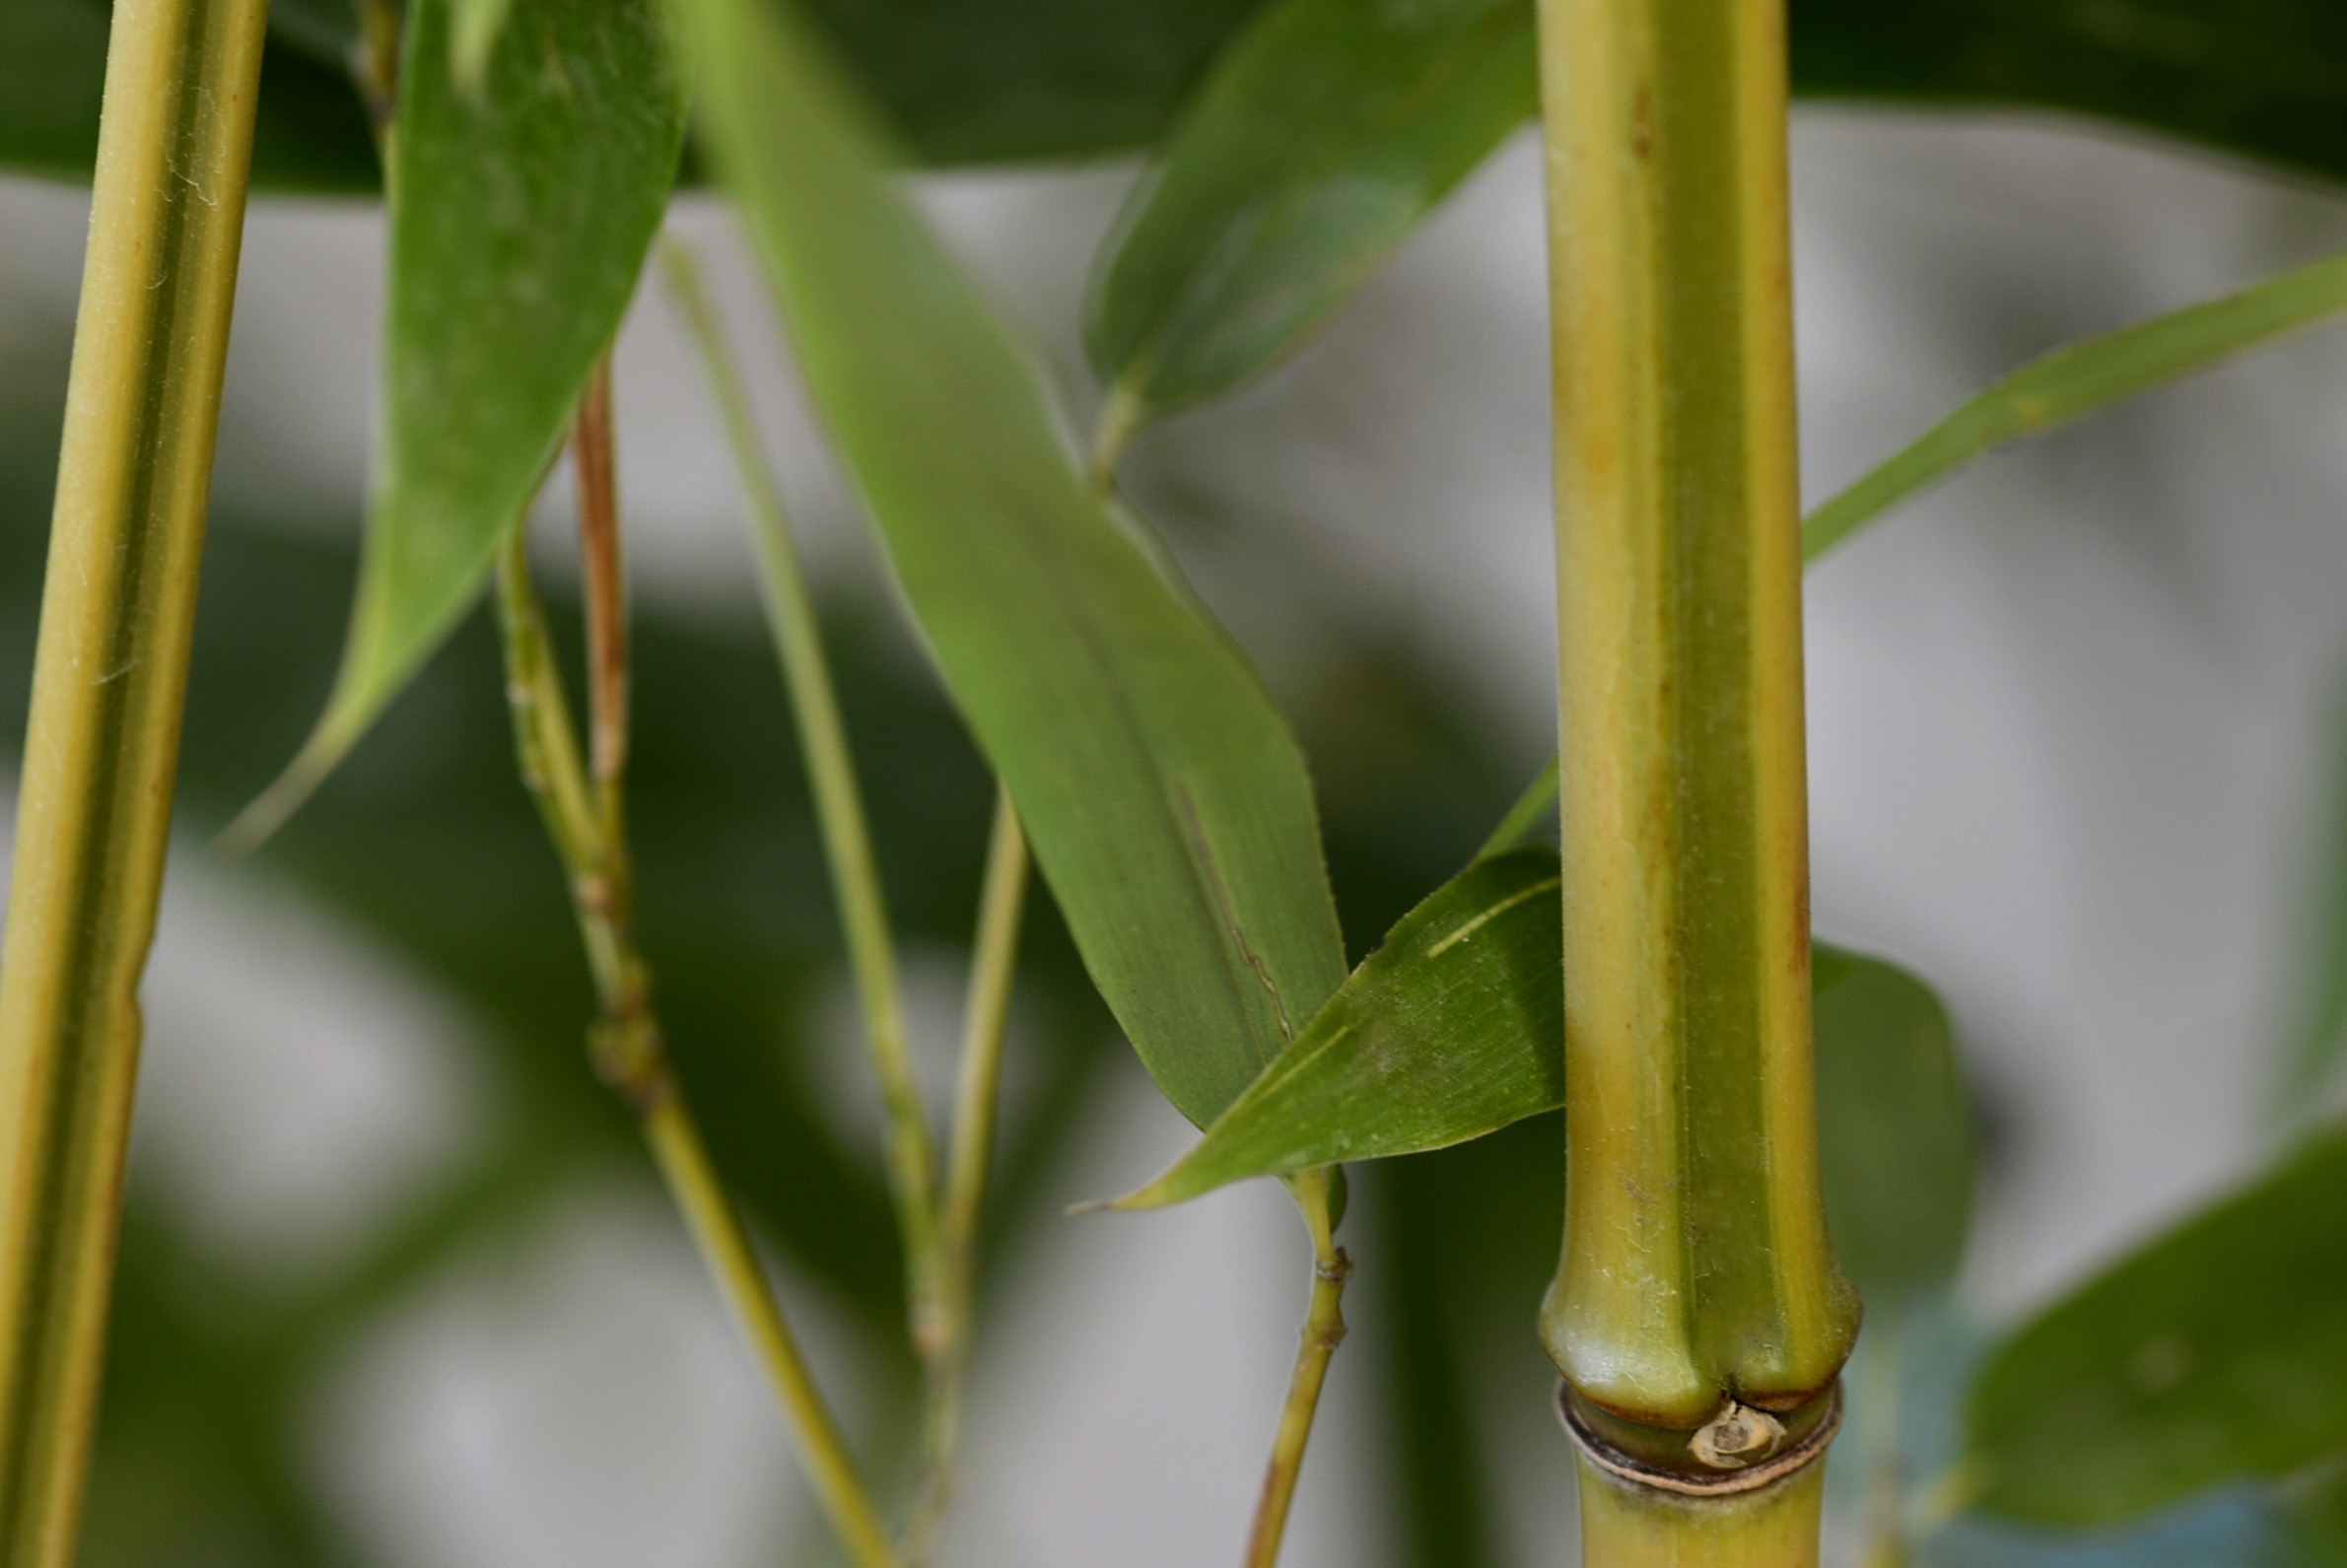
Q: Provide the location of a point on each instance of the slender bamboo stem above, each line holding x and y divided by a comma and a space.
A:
993, 964
839, 812
102, 744
626, 1042
1698, 1314
725, 1244
1323, 1331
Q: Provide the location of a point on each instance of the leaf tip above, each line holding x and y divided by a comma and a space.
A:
286, 794
1160, 1194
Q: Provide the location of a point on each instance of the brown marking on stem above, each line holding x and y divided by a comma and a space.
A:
604, 569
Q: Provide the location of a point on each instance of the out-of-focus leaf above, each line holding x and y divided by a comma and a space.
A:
2216, 1353
323, 29
1332, 127
989, 81
1165, 799
2240, 1529
964, 81
2309, 1059
1452, 1029
1894, 1138
2258, 78
520, 220
309, 132
2082, 378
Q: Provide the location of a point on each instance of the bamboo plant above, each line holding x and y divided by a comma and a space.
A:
1744, 1109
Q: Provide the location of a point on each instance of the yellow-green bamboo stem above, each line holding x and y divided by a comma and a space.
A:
725, 1244
1323, 1331
101, 745
1697, 1285
626, 1043
1775, 1527
839, 811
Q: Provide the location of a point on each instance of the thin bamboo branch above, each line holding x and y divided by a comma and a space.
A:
626, 1043
1323, 1331
839, 812
102, 743
993, 964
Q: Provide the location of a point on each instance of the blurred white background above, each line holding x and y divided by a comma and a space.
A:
2070, 715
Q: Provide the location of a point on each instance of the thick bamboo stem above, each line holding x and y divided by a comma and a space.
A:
1775, 1527
101, 746
1698, 1314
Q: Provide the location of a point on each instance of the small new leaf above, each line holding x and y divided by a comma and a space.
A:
1452, 1029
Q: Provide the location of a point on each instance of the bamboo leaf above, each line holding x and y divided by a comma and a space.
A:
2082, 378
1165, 799
2216, 1353
1330, 128
1894, 1138
1450, 1031
520, 219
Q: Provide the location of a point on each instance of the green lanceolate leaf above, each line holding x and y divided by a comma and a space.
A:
1445, 1032
1330, 130
520, 218
2216, 1353
1894, 1136
1449, 1032
2083, 378
1164, 796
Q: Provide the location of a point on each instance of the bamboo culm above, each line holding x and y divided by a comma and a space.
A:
1698, 1316
108, 688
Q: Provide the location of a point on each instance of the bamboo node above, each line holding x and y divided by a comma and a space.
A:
1764, 1467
